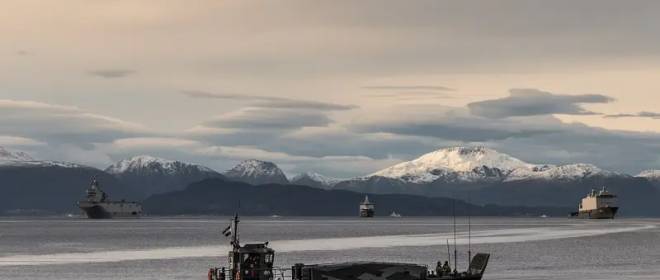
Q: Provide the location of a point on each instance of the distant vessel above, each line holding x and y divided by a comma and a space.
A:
395, 215
597, 205
97, 205
367, 209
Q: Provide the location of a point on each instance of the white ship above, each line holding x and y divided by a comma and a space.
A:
97, 205
367, 209
597, 205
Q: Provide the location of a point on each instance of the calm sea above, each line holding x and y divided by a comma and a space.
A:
184, 248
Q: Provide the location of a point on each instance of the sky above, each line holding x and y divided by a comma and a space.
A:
343, 88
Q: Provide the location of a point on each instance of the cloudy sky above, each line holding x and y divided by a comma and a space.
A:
339, 87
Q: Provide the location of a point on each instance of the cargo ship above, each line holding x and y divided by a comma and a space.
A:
597, 205
367, 209
98, 206
256, 262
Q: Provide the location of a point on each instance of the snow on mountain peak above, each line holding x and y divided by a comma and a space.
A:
14, 156
650, 174
256, 171
145, 163
22, 159
465, 160
254, 167
470, 164
468, 158
315, 177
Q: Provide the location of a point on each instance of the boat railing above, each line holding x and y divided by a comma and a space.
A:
276, 273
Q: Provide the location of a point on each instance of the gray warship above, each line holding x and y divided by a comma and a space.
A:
98, 206
597, 205
255, 262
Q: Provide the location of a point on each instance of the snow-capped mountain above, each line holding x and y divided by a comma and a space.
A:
6, 156
653, 175
150, 165
257, 172
22, 159
480, 164
316, 180
156, 175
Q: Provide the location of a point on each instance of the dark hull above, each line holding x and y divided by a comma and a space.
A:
96, 212
366, 213
99, 212
600, 213
386, 271
457, 277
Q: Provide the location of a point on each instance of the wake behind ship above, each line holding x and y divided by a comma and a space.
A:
98, 206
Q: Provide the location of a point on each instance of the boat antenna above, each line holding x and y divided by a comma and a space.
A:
448, 253
469, 214
453, 210
235, 242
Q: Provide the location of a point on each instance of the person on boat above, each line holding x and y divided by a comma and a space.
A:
446, 270
438, 268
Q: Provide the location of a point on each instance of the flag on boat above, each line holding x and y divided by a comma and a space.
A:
227, 231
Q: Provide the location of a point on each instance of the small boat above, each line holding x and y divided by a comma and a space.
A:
256, 262
367, 208
395, 215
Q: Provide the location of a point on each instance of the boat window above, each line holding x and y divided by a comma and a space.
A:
269, 258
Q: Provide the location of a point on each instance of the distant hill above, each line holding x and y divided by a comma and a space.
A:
150, 175
221, 197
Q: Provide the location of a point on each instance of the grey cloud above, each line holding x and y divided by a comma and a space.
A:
643, 114
412, 95
409, 87
532, 102
111, 73
468, 129
269, 119
271, 102
52, 123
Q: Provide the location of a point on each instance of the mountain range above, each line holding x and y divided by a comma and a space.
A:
481, 175
150, 175
221, 197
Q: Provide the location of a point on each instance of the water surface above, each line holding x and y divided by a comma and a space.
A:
184, 248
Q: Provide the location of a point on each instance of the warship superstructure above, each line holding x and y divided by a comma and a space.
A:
98, 206
367, 208
256, 262
597, 205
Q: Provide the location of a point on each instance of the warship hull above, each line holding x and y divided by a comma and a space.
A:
600, 213
109, 210
367, 213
